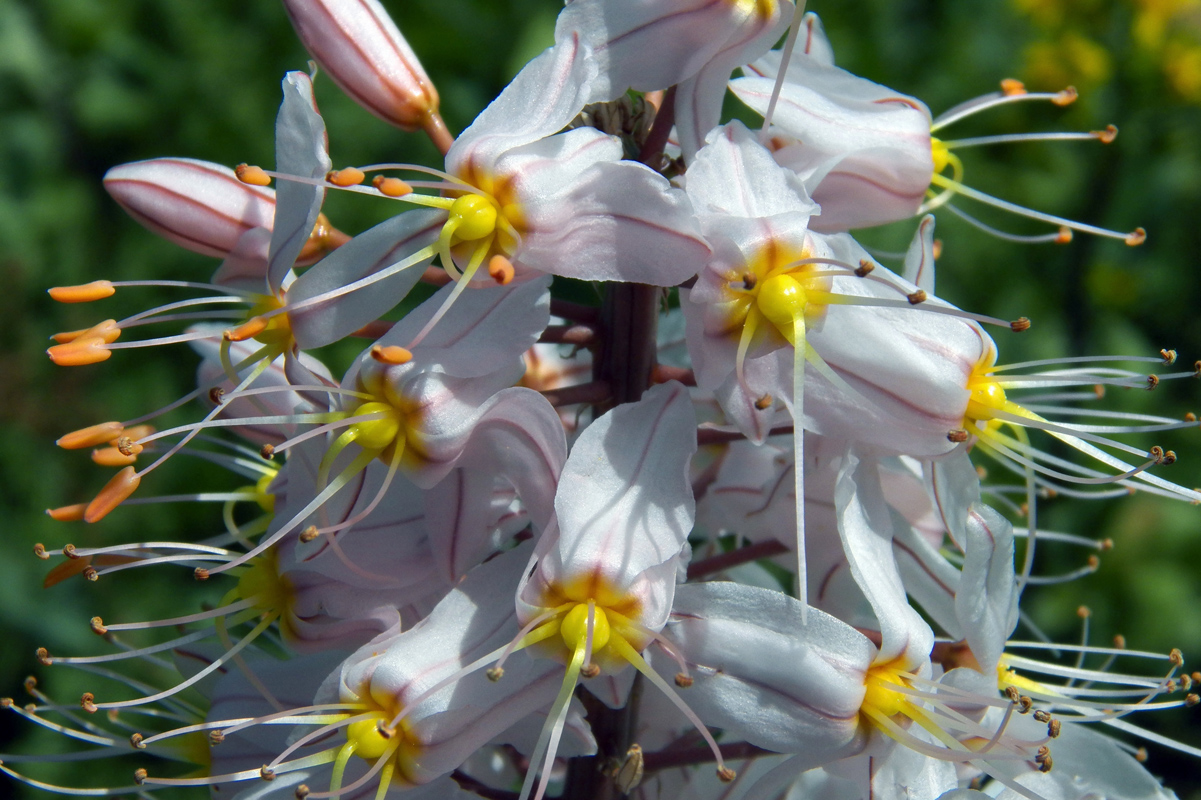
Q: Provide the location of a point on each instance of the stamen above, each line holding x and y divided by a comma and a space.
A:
350, 176
1062, 236
785, 57
255, 176
80, 352
82, 293
115, 492
91, 436
391, 354
1004, 97
391, 187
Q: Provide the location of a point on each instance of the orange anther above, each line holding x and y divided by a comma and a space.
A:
247, 330
391, 187
112, 457
1064, 236
391, 354
107, 330
114, 493
1066, 97
65, 569
83, 293
91, 350
1011, 87
1108, 135
252, 175
936, 250
91, 436
350, 176
501, 269
1136, 237
139, 432
67, 513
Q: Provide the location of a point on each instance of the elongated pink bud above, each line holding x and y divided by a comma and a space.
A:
196, 204
359, 45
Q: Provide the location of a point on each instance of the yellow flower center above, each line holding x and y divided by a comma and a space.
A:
773, 288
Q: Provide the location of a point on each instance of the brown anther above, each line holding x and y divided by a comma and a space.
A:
590, 671
1140, 755
43, 656
1191, 700
1186, 682
1106, 545
1168, 356
391, 354
917, 297
247, 330
267, 452
501, 270
266, 773
90, 574
200, 574
1119, 641
1043, 754
391, 187
495, 673
1169, 457
71, 513
39, 550
70, 552
1064, 236
1054, 728
749, 280
80, 352
215, 395
763, 403
350, 176
98, 626
82, 293
1099, 390
981, 473
114, 493
252, 175
1042, 716
1012, 693
1025, 704
1084, 612
1012, 87
1136, 237
302, 791
1196, 676
91, 436
1176, 658
309, 534
6, 702
136, 741
88, 703
957, 436
1066, 97
216, 738
1108, 135
726, 775
1190, 417
30, 683
1152, 381
683, 681
864, 269
1046, 764
127, 447
140, 775
936, 250
383, 730
1020, 324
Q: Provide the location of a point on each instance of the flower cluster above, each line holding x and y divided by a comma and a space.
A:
730, 533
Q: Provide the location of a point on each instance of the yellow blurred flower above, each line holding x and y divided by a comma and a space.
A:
1071, 59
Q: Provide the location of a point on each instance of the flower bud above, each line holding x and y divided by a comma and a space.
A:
196, 204
360, 47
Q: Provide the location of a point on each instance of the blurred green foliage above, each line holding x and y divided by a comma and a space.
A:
87, 85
